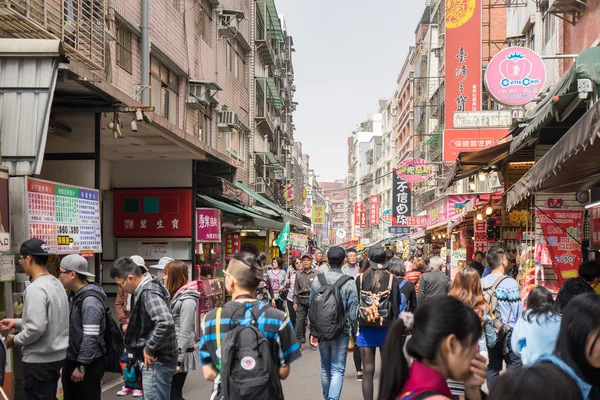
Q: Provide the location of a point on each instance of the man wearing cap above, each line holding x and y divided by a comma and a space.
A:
84, 367
44, 328
333, 352
302, 287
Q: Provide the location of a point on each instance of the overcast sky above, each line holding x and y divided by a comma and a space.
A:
348, 56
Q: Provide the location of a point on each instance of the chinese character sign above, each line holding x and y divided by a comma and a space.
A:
595, 214
359, 207
374, 205
415, 170
402, 201
363, 219
318, 215
562, 230
208, 225
233, 244
480, 242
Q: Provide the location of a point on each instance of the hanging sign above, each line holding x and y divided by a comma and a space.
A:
307, 211
374, 205
363, 219
515, 76
414, 170
402, 201
359, 207
233, 244
208, 225
562, 230
399, 230
298, 240
480, 242
595, 214
318, 215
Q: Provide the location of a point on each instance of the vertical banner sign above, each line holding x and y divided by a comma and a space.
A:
208, 225
232, 244
363, 219
374, 204
595, 213
359, 207
480, 242
563, 232
402, 201
318, 215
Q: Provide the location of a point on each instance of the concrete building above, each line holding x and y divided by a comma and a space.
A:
336, 195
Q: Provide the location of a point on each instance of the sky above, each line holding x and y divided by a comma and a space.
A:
348, 56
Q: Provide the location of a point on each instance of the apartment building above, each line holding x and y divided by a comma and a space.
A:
336, 195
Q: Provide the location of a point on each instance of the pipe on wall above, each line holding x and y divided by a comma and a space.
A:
145, 50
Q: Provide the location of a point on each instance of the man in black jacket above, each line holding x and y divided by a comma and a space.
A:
433, 283
476, 264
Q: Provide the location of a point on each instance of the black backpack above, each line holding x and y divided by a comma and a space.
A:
375, 309
326, 312
248, 370
113, 337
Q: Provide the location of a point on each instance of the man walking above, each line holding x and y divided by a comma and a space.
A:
351, 267
510, 309
302, 287
150, 335
84, 367
333, 352
433, 283
44, 328
477, 263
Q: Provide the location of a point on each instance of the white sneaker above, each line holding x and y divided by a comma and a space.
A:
137, 393
124, 391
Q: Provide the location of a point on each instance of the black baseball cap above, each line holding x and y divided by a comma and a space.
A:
336, 255
377, 257
34, 247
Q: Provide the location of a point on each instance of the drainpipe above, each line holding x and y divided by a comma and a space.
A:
251, 94
145, 50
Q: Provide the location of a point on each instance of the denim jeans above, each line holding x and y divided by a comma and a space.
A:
156, 381
333, 366
496, 357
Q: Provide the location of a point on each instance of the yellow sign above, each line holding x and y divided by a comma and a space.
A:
360, 247
318, 215
459, 12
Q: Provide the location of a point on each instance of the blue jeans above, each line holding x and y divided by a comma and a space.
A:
333, 366
156, 381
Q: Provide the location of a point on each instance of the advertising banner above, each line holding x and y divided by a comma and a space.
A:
466, 140
374, 205
363, 219
415, 170
298, 240
233, 244
318, 215
562, 230
437, 212
208, 225
399, 230
401, 201
480, 242
359, 207
595, 214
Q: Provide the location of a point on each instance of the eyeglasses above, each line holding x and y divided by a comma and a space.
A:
63, 272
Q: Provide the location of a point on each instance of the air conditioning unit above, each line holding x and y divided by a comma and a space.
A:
227, 121
199, 95
229, 23
293, 88
260, 188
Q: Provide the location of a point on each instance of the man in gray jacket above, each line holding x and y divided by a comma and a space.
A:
84, 367
434, 283
44, 328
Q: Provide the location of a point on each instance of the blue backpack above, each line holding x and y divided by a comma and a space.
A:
403, 300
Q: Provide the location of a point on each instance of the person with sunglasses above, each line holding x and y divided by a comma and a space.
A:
44, 328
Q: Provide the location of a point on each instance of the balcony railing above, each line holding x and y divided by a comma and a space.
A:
79, 24
267, 108
268, 31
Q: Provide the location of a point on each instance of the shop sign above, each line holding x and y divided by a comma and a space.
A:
515, 76
414, 170
387, 215
307, 210
154, 250
359, 207
595, 214
401, 202
456, 205
66, 217
230, 191
233, 244
363, 219
208, 225
298, 240
518, 217
480, 241
340, 233
468, 140
399, 230
152, 213
562, 230
374, 205
437, 212
308, 190
318, 215
482, 119
7, 268
4, 213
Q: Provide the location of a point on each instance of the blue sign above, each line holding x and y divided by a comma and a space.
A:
399, 230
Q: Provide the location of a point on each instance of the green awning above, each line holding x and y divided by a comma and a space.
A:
260, 222
270, 88
287, 217
586, 65
269, 160
272, 18
434, 139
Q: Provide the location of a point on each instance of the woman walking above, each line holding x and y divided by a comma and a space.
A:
418, 269
277, 277
184, 307
295, 266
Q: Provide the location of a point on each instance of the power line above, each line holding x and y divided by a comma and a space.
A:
360, 184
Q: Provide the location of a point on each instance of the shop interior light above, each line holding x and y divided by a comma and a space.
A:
472, 184
489, 210
482, 176
134, 127
479, 216
251, 230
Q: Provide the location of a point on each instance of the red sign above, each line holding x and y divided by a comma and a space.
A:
411, 221
208, 225
359, 207
374, 205
595, 213
563, 232
233, 244
480, 242
152, 213
363, 219
466, 140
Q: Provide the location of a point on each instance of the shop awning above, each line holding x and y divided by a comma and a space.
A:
287, 217
570, 165
585, 66
269, 87
470, 163
259, 221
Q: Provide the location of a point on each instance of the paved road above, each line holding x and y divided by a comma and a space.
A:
304, 382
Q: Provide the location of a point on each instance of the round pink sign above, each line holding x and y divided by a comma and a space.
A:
515, 76
414, 170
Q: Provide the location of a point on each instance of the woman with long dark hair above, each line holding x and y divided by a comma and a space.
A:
184, 308
277, 277
295, 266
443, 346
577, 349
537, 330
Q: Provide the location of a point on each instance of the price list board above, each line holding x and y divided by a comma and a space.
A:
66, 217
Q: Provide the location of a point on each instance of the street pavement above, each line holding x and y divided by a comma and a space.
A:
304, 381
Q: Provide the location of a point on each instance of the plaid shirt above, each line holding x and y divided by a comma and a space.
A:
151, 325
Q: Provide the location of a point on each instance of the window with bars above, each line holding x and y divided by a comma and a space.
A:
124, 40
164, 90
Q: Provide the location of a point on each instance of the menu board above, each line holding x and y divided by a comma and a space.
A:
66, 217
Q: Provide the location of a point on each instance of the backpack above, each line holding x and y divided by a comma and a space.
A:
404, 306
113, 337
491, 297
422, 396
375, 309
326, 312
247, 368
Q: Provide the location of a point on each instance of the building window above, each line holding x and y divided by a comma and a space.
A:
206, 22
124, 39
236, 143
164, 91
530, 37
236, 60
549, 27
177, 4
205, 127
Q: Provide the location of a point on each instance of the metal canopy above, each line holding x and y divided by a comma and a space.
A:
287, 217
273, 23
259, 221
270, 89
28, 72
